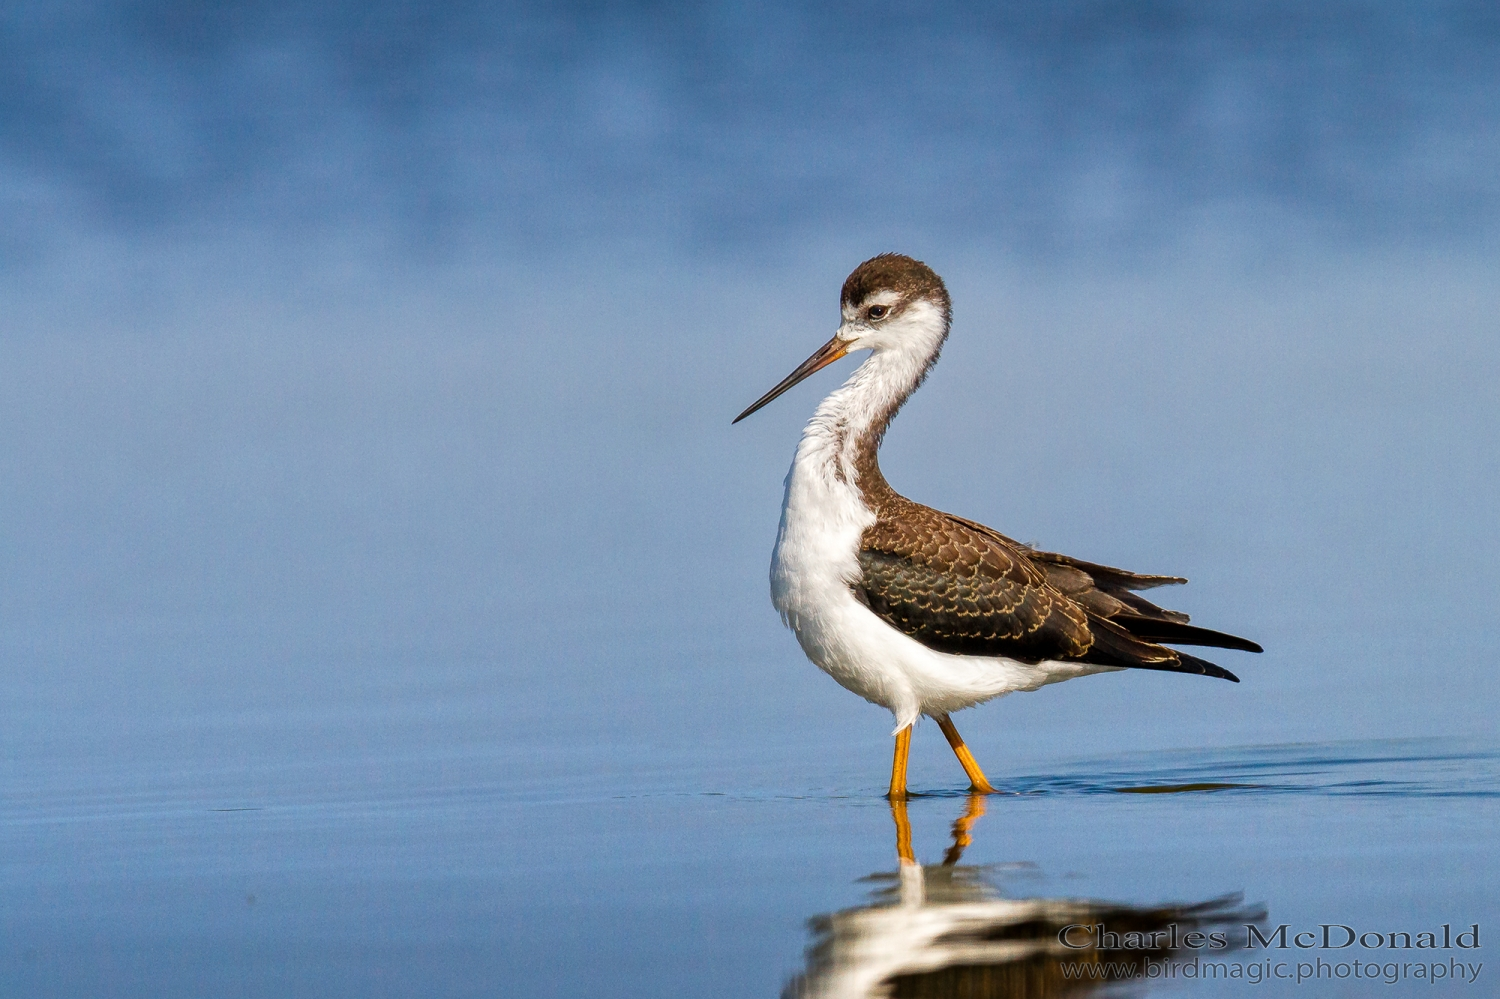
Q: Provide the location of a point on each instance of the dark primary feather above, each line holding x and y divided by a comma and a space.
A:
958, 586
1182, 634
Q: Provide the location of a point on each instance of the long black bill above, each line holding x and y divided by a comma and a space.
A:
822, 358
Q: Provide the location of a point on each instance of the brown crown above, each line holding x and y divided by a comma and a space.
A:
895, 272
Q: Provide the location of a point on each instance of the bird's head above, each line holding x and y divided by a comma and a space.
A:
889, 303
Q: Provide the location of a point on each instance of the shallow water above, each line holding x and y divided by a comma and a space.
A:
442, 665
383, 607
379, 877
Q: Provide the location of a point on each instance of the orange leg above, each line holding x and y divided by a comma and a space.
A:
898, 764
981, 785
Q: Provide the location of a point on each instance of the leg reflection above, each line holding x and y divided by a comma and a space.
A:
961, 825
903, 831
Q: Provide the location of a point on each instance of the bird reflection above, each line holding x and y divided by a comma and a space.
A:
944, 930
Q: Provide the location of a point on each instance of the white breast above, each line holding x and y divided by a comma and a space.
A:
813, 568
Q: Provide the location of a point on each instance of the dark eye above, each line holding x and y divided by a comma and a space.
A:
879, 311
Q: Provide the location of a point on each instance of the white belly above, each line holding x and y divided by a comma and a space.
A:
815, 562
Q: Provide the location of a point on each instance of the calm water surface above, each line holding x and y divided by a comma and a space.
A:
383, 586
442, 664
448, 870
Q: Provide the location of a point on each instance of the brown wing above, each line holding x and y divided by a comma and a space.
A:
1106, 593
959, 587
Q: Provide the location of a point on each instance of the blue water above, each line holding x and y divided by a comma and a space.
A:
383, 597
398, 874
437, 660
408, 655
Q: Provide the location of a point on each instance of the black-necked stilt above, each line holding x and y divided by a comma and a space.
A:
920, 611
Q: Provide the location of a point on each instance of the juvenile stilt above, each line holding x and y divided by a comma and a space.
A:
898, 764
979, 783
910, 607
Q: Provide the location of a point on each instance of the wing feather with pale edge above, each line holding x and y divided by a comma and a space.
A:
960, 587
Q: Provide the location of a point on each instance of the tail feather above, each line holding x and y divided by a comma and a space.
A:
1194, 665
1178, 633
1107, 577
1114, 646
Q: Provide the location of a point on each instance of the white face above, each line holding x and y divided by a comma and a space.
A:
909, 331
885, 321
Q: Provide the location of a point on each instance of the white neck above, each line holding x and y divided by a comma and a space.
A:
845, 431
834, 493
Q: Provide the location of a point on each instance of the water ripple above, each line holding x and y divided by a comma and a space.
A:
1427, 768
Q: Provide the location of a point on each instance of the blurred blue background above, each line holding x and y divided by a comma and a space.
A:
366, 373
345, 343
